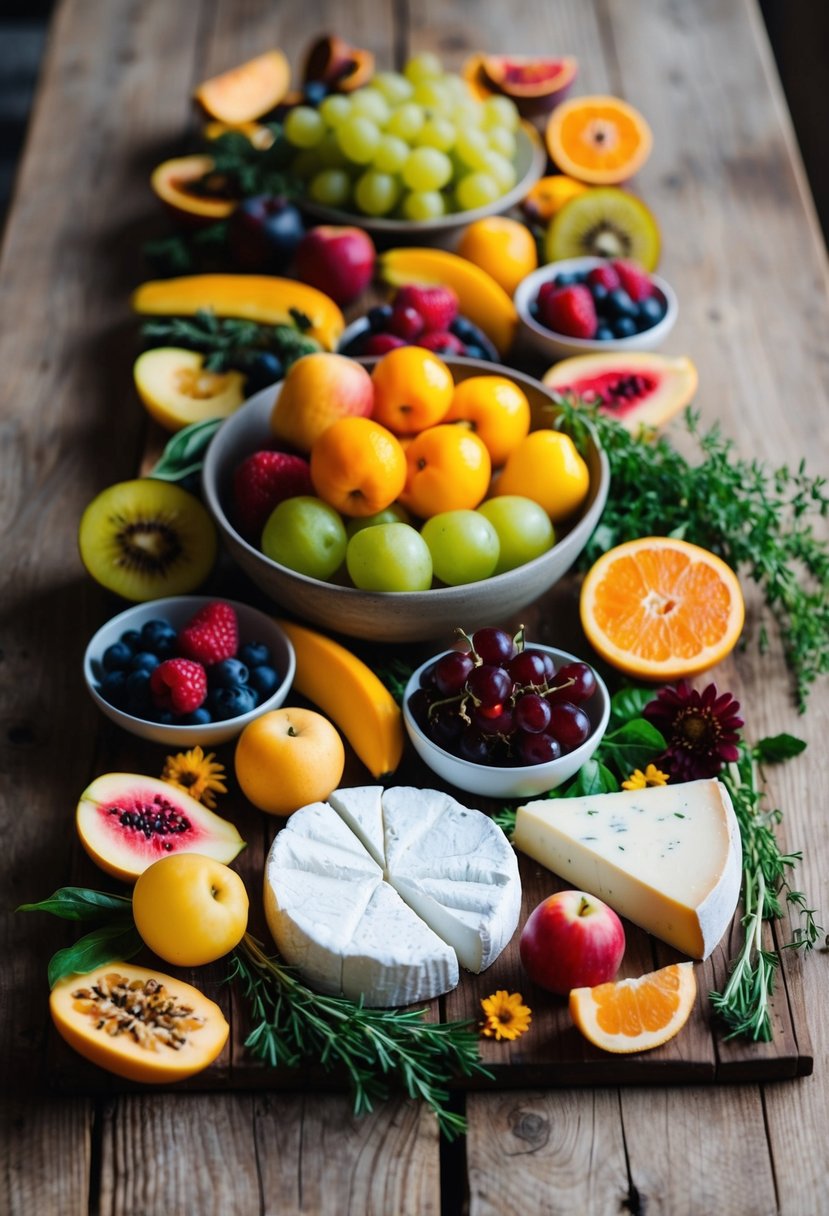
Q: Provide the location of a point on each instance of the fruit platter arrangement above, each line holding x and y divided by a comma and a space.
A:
567, 852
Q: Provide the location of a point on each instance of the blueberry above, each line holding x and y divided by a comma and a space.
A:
265, 681
624, 327
230, 673
314, 92
568, 277
144, 661
132, 638
116, 657
533, 308
473, 351
651, 311
254, 654
619, 304
159, 638
604, 333
164, 717
113, 687
199, 717
231, 702
262, 370
378, 318
138, 700
471, 335
599, 292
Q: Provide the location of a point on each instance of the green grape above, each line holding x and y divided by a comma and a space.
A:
424, 205
433, 95
423, 67
464, 546
307, 535
502, 140
501, 169
330, 153
391, 154
427, 169
406, 121
500, 112
467, 114
395, 514
456, 86
376, 193
523, 527
476, 190
306, 163
303, 127
335, 109
472, 148
394, 87
389, 557
332, 188
358, 137
370, 103
437, 133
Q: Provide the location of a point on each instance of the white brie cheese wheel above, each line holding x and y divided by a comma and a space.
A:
382, 893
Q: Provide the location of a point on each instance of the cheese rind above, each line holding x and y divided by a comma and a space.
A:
667, 857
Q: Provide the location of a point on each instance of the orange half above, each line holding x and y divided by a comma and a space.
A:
659, 608
600, 140
636, 1015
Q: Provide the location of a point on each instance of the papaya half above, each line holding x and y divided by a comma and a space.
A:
246, 92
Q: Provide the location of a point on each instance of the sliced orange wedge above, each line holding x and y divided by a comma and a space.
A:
661, 609
636, 1015
600, 140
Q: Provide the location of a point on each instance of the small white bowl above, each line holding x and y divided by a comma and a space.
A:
559, 346
526, 781
254, 626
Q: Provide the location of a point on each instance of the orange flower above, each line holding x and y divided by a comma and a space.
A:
505, 1015
196, 774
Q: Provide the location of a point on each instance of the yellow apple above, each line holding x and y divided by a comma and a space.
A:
190, 909
288, 758
317, 390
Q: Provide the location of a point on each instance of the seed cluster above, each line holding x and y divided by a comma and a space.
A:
143, 1009
159, 817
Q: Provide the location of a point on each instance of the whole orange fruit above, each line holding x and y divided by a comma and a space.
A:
495, 409
412, 390
504, 248
448, 470
547, 467
357, 466
288, 758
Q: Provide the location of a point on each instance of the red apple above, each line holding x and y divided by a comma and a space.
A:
338, 261
318, 390
572, 940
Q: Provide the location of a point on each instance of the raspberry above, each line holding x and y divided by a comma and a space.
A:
438, 306
604, 276
406, 322
381, 344
634, 279
211, 635
442, 342
261, 482
178, 685
570, 311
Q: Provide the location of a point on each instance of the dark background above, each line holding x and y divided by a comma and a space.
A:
798, 29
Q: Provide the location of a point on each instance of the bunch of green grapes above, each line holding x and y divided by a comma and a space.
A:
415, 144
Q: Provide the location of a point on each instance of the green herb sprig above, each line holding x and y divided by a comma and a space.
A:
227, 342
759, 520
293, 1024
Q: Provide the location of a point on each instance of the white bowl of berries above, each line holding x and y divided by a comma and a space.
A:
505, 719
188, 669
588, 305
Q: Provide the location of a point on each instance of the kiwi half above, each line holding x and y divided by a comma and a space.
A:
145, 539
604, 222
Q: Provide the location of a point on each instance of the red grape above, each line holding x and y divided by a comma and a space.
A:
538, 749
493, 645
528, 667
584, 681
495, 721
451, 672
569, 724
532, 713
489, 685
444, 726
473, 746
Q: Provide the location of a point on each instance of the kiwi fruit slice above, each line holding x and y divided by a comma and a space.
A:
604, 222
145, 539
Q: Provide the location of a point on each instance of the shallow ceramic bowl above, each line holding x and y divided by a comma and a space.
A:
529, 780
401, 616
558, 346
254, 626
530, 161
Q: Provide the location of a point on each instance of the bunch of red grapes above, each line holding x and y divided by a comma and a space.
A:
503, 703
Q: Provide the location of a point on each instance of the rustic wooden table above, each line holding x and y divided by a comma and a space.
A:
744, 251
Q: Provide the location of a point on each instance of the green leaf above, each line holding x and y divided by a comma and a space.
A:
109, 944
628, 703
80, 903
634, 745
775, 748
592, 778
184, 453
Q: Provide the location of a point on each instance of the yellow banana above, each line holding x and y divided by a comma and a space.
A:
481, 299
351, 695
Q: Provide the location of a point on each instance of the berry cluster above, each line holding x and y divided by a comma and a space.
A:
502, 703
422, 316
614, 300
197, 675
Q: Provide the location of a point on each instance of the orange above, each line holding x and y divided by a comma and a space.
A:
660, 609
548, 196
636, 1015
600, 140
357, 466
412, 390
547, 467
448, 470
495, 409
288, 758
502, 247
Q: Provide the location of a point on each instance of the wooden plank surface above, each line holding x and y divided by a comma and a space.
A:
742, 247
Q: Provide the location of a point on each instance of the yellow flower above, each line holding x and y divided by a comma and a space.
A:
505, 1015
651, 776
198, 775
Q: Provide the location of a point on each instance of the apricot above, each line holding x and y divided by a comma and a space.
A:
358, 466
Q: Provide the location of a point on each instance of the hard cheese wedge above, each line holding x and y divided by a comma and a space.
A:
448, 892
668, 857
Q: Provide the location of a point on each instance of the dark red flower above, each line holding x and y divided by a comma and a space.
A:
701, 730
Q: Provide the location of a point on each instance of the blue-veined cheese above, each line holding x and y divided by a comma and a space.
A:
667, 857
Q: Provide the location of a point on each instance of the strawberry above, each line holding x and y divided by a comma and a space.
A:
438, 306
381, 344
442, 342
406, 322
569, 311
210, 636
635, 280
604, 276
262, 481
178, 685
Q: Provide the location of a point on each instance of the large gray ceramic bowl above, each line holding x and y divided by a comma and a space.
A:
401, 616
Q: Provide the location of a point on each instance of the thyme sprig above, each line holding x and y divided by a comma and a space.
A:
293, 1025
227, 342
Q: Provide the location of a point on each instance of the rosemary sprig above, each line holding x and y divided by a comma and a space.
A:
227, 342
293, 1024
